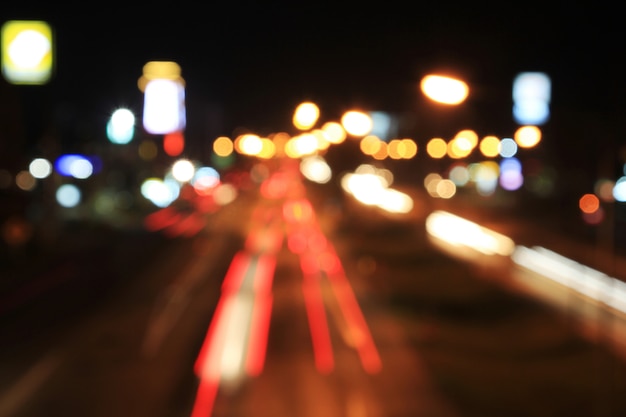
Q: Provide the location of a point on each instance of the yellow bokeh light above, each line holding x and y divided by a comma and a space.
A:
223, 146
395, 148
305, 144
369, 145
382, 152
469, 135
160, 70
484, 171
409, 148
322, 139
280, 140
436, 148
268, 149
250, 144
527, 136
459, 147
306, 115
402, 149
237, 144
335, 133
490, 146
290, 149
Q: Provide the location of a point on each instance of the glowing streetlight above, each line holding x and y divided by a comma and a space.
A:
527, 136
183, 170
335, 133
445, 90
120, 128
306, 115
357, 123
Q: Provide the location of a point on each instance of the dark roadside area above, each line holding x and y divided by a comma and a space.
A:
53, 275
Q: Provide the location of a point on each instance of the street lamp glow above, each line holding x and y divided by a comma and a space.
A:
250, 144
335, 133
459, 147
306, 115
490, 146
459, 231
68, 195
436, 148
223, 146
40, 168
357, 123
120, 128
445, 90
183, 170
527, 136
158, 192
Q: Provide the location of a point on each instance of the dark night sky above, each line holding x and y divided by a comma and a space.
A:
249, 64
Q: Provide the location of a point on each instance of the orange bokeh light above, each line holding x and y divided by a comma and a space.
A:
589, 203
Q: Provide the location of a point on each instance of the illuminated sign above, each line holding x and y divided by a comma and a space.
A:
164, 97
531, 98
27, 52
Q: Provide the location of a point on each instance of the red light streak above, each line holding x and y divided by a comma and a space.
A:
318, 261
266, 265
236, 272
205, 203
320, 336
208, 363
185, 226
259, 330
194, 224
370, 358
209, 344
161, 219
309, 264
205, 397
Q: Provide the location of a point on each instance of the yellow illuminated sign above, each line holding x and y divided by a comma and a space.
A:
27, 51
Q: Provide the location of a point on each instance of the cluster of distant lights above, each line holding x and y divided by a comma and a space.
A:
75, 166
27, 59
204, 180
308, 146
